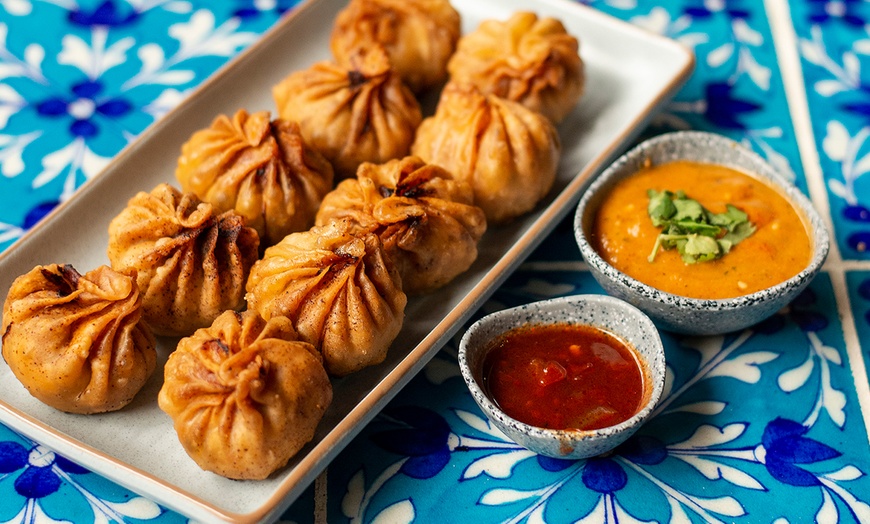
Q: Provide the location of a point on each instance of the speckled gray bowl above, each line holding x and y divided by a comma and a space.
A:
689, 315
608, 313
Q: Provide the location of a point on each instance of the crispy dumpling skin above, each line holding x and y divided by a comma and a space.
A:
244, 394
340, 290
426, 219
526, 59
263, 169
77, 342
361, 112
419, 35
191, 262
508, 153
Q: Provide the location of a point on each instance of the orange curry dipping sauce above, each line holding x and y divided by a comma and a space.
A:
563, 376
624, 235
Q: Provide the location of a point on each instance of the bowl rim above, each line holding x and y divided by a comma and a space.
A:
640, 318
816, 229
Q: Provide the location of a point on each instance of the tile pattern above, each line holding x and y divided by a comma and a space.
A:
834, 45
763, 425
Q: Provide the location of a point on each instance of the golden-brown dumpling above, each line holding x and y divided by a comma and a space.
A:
340, 290
192, 262
263, 169
527, 59
244, 394
352, 114
425, 218
76, 341
507, 152
419, 35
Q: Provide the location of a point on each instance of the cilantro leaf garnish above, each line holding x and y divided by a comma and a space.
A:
696, 233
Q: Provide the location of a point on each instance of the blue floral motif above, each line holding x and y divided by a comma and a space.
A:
751, 424
41, 473
834, 48
823, 11
856, 213
786, 446
83, 105
848, 154
422, 437
801, 311
644, 449
37, 213
770, 459
68, 104
724, 109
730, 458
733, 8
861, 109
604, 476
107, 14
554, 464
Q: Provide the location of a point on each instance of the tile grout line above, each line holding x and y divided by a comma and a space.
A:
320, 498
786, 45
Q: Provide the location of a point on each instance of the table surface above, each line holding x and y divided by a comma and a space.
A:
767, 425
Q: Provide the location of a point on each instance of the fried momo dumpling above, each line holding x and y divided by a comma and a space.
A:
527, 59
244, 394
191, 262
352, 114
419, 35
426, 219
76, 342
263, 169
339, 289
508, 153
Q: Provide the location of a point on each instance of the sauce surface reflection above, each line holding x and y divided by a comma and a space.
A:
563, 376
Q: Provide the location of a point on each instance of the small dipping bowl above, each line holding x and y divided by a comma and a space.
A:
615, 316
694, 316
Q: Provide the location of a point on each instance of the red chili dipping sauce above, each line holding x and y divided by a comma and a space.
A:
563, 376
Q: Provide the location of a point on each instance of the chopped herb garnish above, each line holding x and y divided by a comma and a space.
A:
695, 232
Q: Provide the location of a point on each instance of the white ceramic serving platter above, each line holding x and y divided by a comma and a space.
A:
630, 74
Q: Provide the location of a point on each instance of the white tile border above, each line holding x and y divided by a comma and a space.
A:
785, 42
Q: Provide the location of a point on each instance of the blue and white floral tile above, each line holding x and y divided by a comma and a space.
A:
39, 486
70, 102
835, 56
736, 89
858, 283
746, 432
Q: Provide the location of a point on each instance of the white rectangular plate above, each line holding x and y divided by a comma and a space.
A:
630, 74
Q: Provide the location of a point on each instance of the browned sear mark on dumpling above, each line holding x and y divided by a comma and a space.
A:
425, 218
418, 35
191, 262
65, 278
263, 170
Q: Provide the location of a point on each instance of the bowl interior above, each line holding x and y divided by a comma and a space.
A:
604, 312
705, 148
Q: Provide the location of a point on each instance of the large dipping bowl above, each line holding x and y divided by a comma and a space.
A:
681, 314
